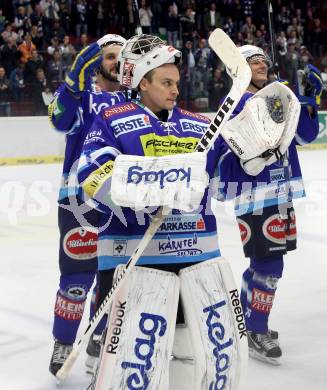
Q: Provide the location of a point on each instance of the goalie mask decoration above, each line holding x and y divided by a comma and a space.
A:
141, 54
253, 53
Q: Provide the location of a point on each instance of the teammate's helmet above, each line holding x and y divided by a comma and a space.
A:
252, 53
143, 53
111, 39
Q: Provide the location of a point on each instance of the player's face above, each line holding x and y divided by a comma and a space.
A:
108, 67
259, 70
161, 92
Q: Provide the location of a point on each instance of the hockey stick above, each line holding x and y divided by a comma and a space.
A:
135, 6
272, 37
240, 72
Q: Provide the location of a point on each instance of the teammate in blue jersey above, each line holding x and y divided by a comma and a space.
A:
264, 209
76, 104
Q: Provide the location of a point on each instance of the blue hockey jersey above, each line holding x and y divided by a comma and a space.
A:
74, 117
133, 129
277, 183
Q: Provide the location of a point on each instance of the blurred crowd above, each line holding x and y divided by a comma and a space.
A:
39, 40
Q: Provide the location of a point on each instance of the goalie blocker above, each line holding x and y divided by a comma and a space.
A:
210, 350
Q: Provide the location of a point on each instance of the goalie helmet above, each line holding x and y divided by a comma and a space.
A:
252, 53
143, 53
110, 40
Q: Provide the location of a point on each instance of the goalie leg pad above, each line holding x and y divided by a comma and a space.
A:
215, 319
140, 333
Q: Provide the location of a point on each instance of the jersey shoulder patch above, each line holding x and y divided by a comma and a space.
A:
119, 109
194, 115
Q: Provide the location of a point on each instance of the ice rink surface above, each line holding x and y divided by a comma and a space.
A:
29, 277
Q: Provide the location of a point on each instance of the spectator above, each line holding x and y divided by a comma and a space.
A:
187, 75
3, 21
291, 63
58, 31
34, 63
65, 14
294, 39
248, 30
201, 57
40, 87
305, 57
130, 19
55, 70
79, 11
9, 33
212, 19
187, 25
172, 25
37, 19
318, 38
26, 48
229, 26
217, 88
100, 16
83, 42
146, 15
9, 55
4, 93
114, 19
67, 52
22, 22
16, 82
53, 46
259, 39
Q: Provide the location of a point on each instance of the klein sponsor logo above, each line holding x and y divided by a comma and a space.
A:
262, 301
179, 247
80, 244
274, 229
151, 326
119, 110
245, 231
136, 175
193, 126
129, 124
169, 226
69, 310
221, 351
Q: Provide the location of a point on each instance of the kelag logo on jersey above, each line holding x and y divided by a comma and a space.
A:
131, 123
145, 347
216, 335
193, 126
179, 247
136, 175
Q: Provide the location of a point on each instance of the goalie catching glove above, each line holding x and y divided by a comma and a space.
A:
309, 86
176, 181
262, 132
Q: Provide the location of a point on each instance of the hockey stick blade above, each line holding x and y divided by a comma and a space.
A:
241, 76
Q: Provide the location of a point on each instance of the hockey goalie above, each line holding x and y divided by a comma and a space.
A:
142, 157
